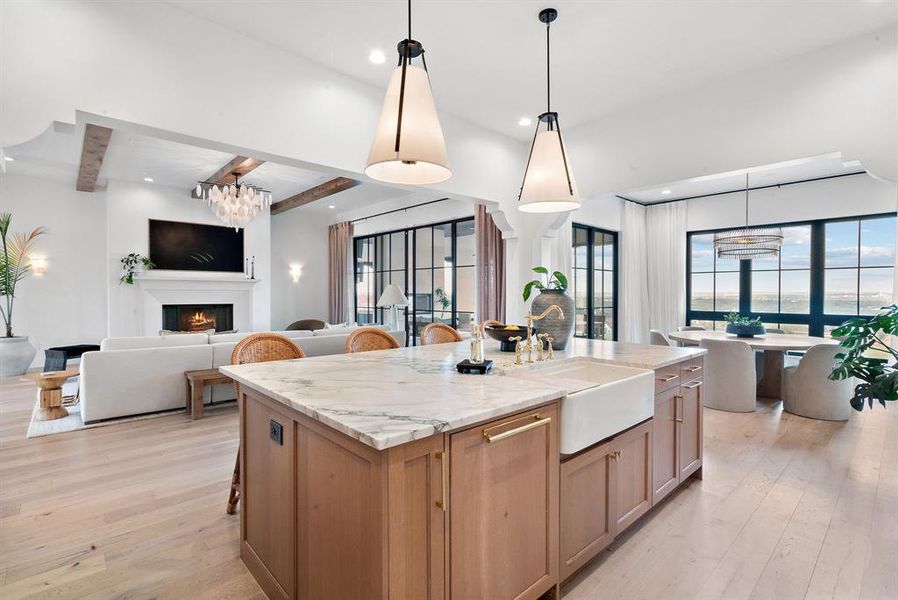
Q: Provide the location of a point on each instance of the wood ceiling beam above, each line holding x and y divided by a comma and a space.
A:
93, 150
318, 192
239, 164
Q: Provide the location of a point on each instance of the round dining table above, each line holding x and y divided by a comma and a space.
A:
774, 346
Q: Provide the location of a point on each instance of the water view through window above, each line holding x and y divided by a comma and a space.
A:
826, 272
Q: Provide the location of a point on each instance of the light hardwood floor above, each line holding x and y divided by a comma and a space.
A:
789, 508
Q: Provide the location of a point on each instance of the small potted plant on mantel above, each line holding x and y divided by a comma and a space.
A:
867, 355
744, 327
130, 265
16, 353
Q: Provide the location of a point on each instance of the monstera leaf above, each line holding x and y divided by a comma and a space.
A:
868, 355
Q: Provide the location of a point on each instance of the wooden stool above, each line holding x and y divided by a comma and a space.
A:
50, 385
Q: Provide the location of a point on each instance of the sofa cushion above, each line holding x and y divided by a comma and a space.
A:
227, 338
152, 341
335, 331
117, 383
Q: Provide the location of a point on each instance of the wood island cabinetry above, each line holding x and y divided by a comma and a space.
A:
608, 487
470, 514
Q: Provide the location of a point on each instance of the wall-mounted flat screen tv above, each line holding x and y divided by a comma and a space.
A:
194, 247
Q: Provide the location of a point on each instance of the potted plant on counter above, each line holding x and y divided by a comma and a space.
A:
16, 353
553, 291
744, 327
867, 355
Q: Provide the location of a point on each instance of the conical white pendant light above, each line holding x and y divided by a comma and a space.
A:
408, 144
548, 185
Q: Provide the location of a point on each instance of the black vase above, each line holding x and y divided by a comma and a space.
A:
559, 328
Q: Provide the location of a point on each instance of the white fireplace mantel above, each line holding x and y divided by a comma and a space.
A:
158, 288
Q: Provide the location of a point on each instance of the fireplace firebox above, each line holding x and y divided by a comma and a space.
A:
197, 317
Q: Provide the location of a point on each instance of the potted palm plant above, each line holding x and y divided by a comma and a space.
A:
16, 353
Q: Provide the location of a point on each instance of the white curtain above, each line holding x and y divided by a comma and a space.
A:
562, 254
665, 234
633, 309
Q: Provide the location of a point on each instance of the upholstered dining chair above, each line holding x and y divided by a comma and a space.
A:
691, 328
658, 338
438, 333
366, 339
809, 391
730, 381
256, 348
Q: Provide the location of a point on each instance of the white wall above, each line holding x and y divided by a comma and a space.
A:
131, 206
822, 199
843, 98
603, 211
298, 237
68, 304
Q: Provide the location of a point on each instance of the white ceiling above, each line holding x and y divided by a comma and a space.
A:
132, 157
487, 58
816, 167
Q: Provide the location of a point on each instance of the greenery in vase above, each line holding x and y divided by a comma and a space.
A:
861, 341
129, 264
557, 281
742, 321
14, 264
442, 298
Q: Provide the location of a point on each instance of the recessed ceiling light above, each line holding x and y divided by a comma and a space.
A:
8, 158
148, 179
377, 57
524, 121
665, 192
331, 206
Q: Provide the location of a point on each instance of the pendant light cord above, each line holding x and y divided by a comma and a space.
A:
746, 199
409, 20
548, 72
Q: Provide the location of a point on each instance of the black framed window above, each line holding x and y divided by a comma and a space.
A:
433, 264
594, 284
828, 271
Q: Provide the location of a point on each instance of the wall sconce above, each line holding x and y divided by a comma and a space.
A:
295, 272
38, 265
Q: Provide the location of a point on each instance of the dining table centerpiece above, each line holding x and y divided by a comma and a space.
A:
744, 326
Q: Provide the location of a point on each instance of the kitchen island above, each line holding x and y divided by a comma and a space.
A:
388, 474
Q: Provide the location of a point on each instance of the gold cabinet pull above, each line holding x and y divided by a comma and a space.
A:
668, 378
535, 422
677, 410
693, 368
443, 503
692, 386
616, 455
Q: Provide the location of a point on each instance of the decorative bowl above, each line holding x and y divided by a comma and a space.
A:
745, 331
503, 332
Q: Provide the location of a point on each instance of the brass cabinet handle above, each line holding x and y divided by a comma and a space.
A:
444, 479
693, 368
692, 386
668, 378
677, 411
535, 422
616, 455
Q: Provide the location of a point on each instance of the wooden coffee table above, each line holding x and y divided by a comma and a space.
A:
196, 383
50, 385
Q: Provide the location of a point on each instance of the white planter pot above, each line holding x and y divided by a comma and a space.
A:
16, 355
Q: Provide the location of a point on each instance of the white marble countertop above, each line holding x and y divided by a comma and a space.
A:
389, 397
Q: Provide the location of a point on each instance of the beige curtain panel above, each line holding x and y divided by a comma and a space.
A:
490, 258
339, 273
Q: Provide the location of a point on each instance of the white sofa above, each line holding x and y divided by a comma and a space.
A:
137, 375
